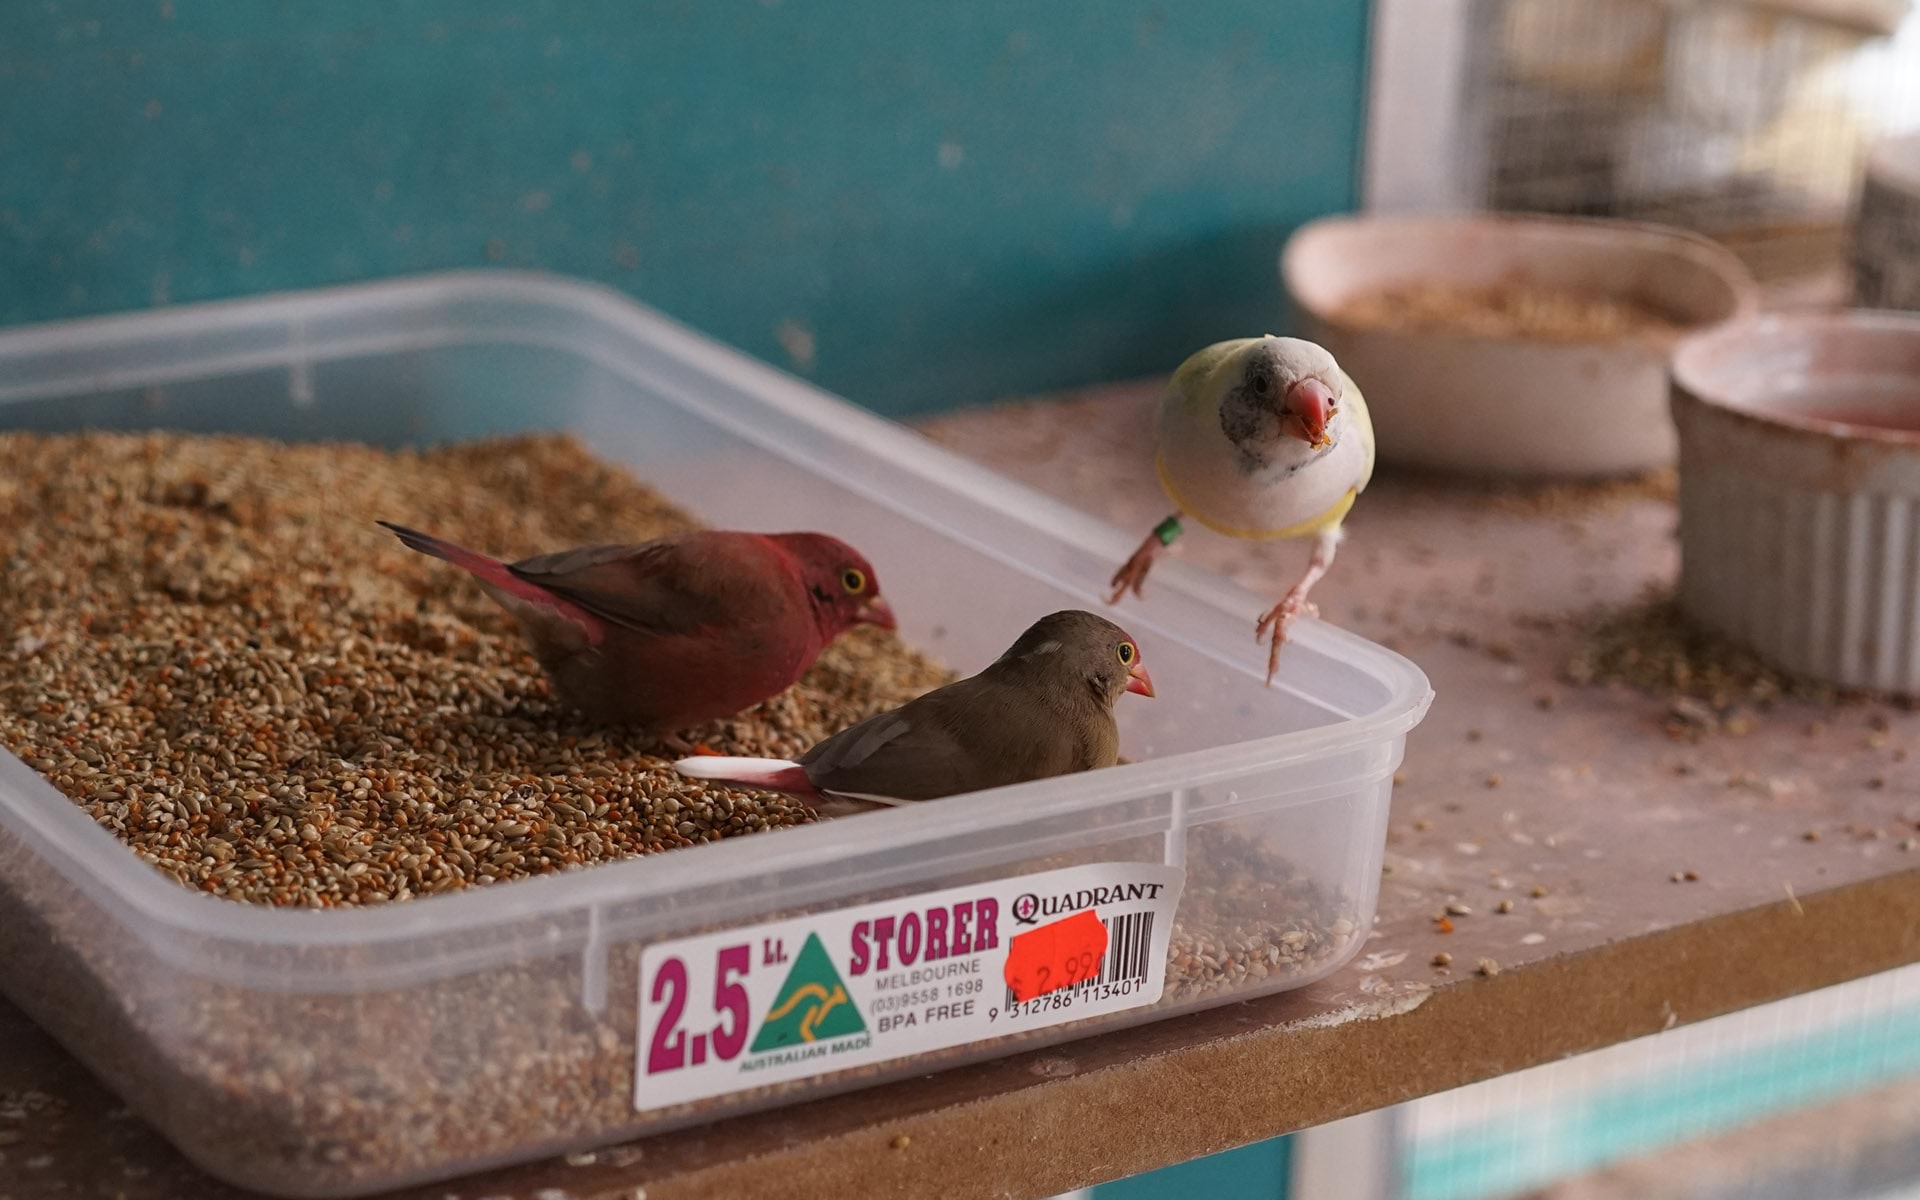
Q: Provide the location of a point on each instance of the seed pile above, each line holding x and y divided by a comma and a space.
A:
1653, 648
1580, 499
1510, 309
210, 647
1249, 920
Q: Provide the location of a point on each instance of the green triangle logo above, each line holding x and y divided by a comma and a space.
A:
813, 1004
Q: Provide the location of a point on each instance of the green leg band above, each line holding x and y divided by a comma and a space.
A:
1167, 531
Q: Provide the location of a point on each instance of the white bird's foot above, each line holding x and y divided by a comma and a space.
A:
1273, 624
1133, 575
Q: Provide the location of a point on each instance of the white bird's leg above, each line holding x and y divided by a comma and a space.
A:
1133, 575
1272, 626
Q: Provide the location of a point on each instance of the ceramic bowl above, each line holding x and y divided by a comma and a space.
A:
1800, 492
1509, 405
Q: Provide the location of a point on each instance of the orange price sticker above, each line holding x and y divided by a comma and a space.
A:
1055, 956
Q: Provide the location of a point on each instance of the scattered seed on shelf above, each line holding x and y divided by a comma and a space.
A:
1537, 891
1442, 959
1811, 835
1650, 646
1487, 967
900, 1141
1457, 909
1504, 907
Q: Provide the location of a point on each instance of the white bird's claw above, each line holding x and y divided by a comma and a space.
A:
1274, 623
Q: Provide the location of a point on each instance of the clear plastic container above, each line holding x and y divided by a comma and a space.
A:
338, 1053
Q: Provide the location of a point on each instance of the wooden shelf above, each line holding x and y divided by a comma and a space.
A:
1517, 780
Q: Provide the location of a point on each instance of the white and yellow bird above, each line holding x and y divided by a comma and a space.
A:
1260, 438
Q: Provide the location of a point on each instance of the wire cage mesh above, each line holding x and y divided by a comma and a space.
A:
1743, 120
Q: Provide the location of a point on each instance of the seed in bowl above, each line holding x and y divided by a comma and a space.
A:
1511, 309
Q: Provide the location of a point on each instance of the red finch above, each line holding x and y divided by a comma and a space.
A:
1043, 708
683, 629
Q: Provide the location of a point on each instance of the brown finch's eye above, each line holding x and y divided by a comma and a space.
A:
1127, 654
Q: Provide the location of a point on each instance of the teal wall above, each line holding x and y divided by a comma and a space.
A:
1256, 1172
950, 200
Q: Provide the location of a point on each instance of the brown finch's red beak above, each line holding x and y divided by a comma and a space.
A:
876, 612
1309, 405
1138, 681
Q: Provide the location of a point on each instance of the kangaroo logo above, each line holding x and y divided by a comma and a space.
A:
812, 1004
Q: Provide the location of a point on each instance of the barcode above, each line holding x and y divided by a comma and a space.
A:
1128, 956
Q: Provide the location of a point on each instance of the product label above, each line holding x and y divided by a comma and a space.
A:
763, 1004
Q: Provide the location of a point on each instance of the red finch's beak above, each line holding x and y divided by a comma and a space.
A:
876, 612
1309, 405
1138, 681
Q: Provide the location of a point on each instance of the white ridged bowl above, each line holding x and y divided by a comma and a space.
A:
1800, 496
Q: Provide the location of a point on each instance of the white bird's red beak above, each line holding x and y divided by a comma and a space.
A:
1309, 407
1138, 681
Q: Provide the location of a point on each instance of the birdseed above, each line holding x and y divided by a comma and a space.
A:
212, 651
1512, 309
1575, 499
1707, 679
